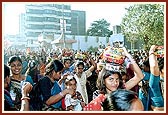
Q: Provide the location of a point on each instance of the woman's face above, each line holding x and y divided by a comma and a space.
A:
80, 69
67, 64
112, 83
57, 75
71, 85
124, 78
16, 67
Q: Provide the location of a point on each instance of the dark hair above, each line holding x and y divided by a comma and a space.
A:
119, 100
161, 63
105, 74
79, 63
146, 63
66, 59
14, 58
55, 65
31, 64
6, 71
124, 74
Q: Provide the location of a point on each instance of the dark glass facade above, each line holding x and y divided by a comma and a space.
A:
78, 22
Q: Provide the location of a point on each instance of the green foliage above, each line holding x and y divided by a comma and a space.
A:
99, 28
146, 22
92, 49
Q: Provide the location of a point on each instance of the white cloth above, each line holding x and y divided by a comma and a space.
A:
81, 84
74, 102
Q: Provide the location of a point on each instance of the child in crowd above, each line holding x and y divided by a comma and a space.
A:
73, 102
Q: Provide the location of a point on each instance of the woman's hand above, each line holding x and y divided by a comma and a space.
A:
83, 104
65, 75
152, 49
26, 88
71, 91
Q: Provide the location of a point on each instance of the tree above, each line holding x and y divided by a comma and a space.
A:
99, 28
92, 49
146, 22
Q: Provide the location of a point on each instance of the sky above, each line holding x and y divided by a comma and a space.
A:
112, 12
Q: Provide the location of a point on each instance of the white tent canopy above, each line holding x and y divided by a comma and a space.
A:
58, 39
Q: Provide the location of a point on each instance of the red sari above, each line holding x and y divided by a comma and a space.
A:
95, 105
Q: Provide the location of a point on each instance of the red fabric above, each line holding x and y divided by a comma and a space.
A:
95, 105
63, 104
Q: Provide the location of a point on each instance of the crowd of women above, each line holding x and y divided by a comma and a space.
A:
81, 81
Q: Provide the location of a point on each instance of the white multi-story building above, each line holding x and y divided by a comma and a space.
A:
50, 19
45, 18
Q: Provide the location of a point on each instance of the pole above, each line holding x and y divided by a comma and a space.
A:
78, 32
77, 25
63, 30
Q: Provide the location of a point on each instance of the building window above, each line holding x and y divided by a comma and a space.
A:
57, 27
59, 13
68, 21
67, 7
68, 28
59, 6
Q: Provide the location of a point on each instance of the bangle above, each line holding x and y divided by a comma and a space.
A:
23, 98
61, 94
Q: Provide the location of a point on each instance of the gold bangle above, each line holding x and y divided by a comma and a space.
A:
23, 98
